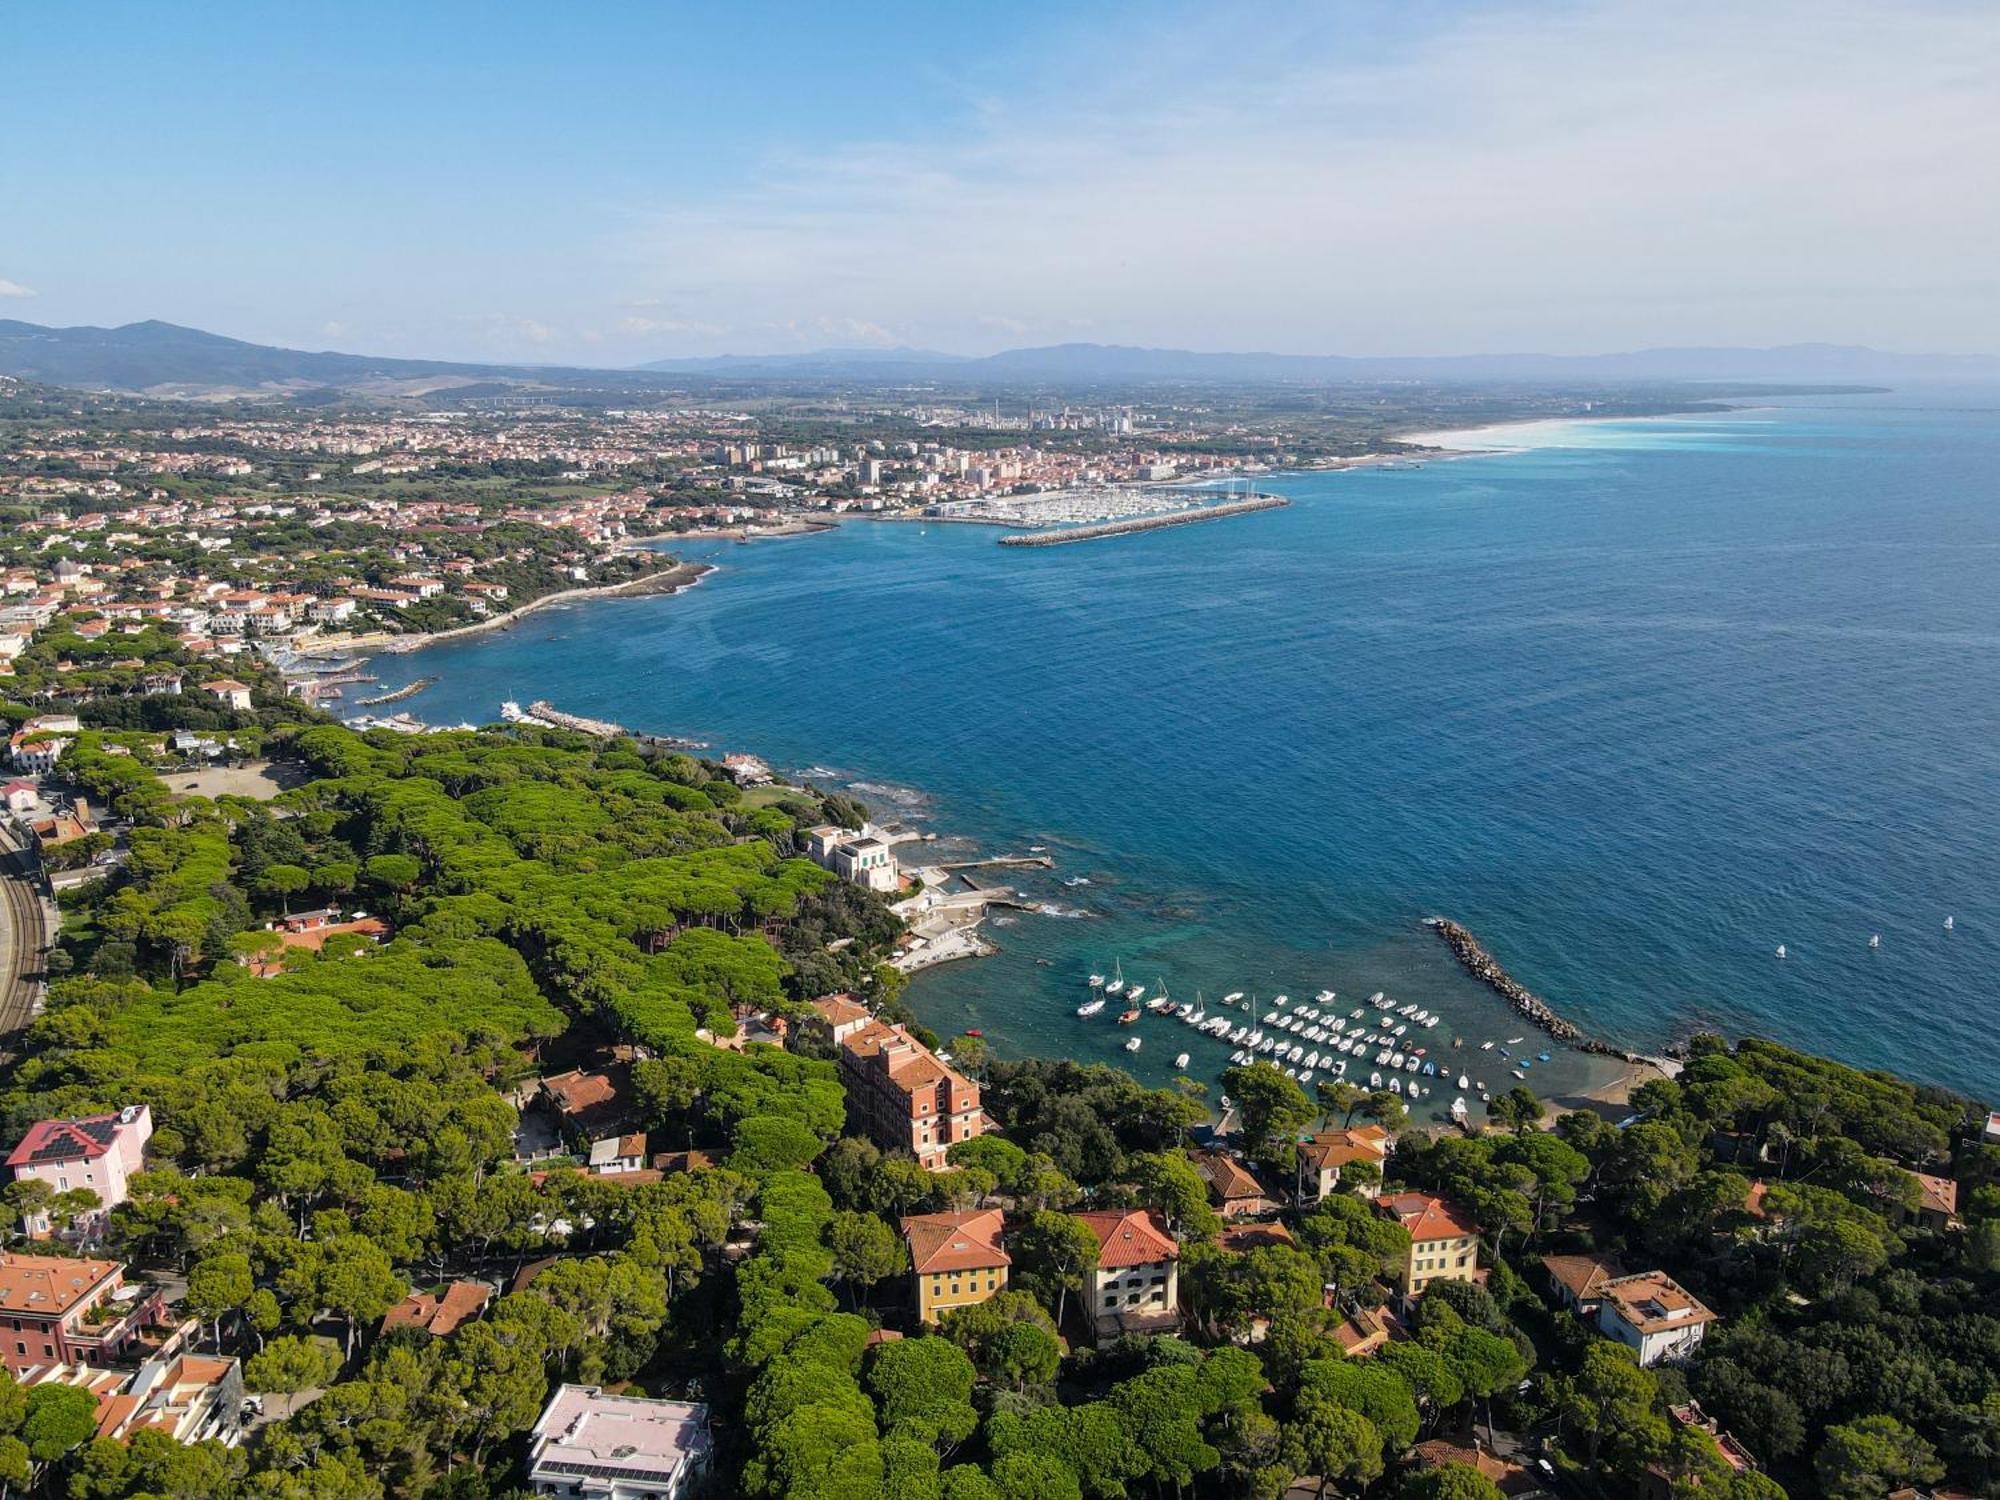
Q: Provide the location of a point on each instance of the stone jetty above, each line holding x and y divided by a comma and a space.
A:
1482, 966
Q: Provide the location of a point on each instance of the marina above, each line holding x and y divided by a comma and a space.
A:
1062, 535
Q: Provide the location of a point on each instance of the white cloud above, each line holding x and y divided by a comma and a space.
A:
14, 289
1578, 176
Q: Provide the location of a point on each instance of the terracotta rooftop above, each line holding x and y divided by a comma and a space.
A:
1336, 1148
1229, 1178
1368, 1329
50, 1285
1241, 1237
1428, 1218
440, 1314
1653, 1302
955, 1242
1937, 1195
1130, 1237
839, 1010
1582, 1276
577, 1091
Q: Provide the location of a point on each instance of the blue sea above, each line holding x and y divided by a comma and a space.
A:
1635, 701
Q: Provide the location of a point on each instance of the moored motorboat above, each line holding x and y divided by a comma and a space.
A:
1180, 1062
1133, 1045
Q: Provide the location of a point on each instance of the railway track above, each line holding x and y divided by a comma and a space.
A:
23, 938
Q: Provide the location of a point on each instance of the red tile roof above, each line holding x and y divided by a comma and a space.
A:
1336, 1148
50, 1285
1428, 1218
1130, 1237
440, 1314
1582, 1276
82, 1139
1938, 1195
955, 1242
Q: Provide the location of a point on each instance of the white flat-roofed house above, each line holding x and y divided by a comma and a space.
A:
1652, 1315
596, 1446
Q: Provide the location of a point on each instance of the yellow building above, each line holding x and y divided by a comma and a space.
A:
956, 1259
1444, 1242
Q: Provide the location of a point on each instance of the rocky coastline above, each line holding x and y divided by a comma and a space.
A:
1482, 966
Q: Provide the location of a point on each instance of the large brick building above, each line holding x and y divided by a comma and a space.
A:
903, 1097
58, 1311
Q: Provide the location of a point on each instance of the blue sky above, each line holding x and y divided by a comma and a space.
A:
608, 182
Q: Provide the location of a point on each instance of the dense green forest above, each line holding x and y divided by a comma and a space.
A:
337, 1126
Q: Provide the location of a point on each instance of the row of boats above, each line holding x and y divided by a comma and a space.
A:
1306, 1038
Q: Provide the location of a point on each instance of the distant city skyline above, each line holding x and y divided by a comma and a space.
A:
500, 183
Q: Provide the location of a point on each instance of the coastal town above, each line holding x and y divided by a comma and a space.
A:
712, 1210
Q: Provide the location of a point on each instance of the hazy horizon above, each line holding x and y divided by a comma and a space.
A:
500, 184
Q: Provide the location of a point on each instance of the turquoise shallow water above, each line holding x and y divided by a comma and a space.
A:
1636, 704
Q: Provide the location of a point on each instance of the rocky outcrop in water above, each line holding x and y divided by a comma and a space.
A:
1482, 966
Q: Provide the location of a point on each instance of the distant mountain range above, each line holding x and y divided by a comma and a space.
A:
156, 356
1118, 362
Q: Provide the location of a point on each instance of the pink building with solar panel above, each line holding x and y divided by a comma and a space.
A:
98, 1152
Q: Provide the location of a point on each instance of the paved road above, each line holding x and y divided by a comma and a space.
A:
23, 937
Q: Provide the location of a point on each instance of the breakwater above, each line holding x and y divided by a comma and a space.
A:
1531, 1007
1062, 535
545, 712
408, 690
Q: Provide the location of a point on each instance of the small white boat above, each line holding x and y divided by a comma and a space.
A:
1340, 1069
1305, 1077
1135, 992
1395, 1085
1520, 1075
1875, 940
1485, 1046
1374, 1080
1232, 997
1781, 950
1097, 981
1513, 1041
1948, 924
1291, 1072
1464, 1083
1090, 1007
1281, 1000
1133, 1045
1325, 997
1376, 998
1412, 1065
1180, 1062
